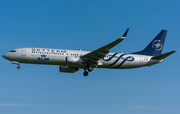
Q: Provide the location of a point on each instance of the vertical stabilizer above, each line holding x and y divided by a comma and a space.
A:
155, 47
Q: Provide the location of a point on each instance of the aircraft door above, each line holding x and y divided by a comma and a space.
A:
23, 52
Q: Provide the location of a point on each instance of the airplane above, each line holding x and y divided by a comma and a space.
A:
70, 61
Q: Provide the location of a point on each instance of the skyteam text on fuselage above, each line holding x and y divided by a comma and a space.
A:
70, 61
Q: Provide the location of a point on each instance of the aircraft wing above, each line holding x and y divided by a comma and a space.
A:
98, 54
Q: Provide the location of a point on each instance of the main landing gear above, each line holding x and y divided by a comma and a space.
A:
90, 69
85, 73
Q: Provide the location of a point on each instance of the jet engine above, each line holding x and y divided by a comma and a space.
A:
67, 69
74, 60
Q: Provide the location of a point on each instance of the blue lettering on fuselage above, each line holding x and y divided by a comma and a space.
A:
129, 58
43, 58
48, 50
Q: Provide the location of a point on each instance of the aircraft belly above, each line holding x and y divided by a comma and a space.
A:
128, 65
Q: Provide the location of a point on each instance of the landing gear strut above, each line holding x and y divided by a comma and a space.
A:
89, 68
17, 63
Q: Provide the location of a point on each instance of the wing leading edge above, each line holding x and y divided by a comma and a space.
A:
98, 54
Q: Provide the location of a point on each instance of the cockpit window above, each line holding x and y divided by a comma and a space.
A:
13, 51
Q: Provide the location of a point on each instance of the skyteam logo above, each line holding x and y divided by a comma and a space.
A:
43, 58
121, 57
157, 45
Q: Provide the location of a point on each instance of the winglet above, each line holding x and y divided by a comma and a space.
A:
163, 55
125, 33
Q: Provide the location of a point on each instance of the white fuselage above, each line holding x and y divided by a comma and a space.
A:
59, 57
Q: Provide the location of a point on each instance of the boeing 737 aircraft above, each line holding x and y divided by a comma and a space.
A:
70, 61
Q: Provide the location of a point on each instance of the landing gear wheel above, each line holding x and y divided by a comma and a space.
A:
90, 69
18, 67
85, 73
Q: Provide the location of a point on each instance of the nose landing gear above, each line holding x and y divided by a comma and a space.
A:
17, 63
18, 67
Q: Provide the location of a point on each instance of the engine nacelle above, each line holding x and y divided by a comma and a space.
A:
74, 60
67, 69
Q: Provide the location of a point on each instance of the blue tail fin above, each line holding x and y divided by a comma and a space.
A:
155, 47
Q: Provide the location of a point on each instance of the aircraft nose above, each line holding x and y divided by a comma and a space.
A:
5, 56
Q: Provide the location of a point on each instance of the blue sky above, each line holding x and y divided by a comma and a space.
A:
88, 25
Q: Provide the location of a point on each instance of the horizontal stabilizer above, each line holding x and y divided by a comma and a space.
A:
163, 55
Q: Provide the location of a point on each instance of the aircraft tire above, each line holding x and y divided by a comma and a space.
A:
85, 73
90, 69
18, 67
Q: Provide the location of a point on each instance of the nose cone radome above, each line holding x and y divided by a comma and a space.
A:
5, 56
